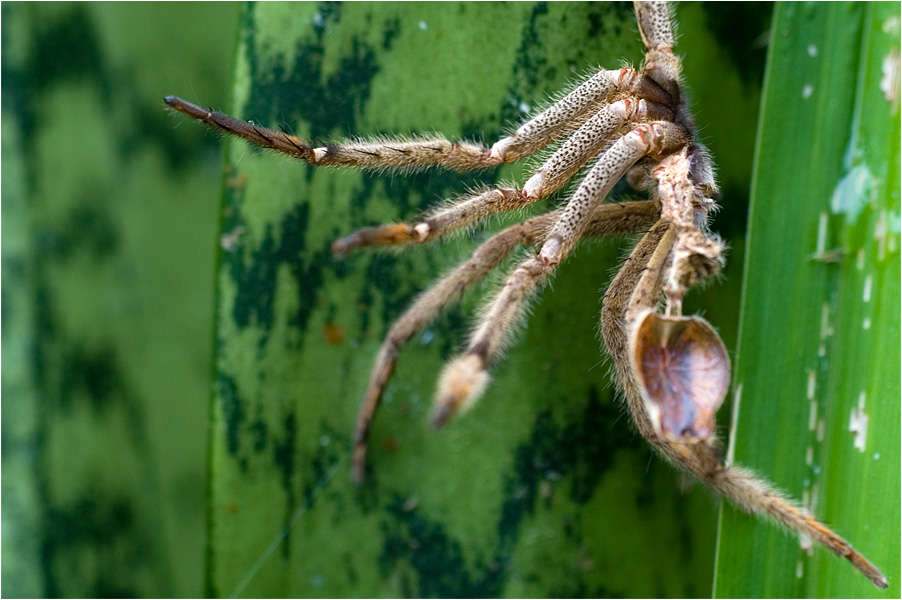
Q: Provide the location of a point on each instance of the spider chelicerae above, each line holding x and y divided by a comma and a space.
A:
673, 369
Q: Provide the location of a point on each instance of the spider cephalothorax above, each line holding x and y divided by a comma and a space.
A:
673, 369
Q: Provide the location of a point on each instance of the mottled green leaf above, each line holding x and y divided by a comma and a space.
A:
541, 490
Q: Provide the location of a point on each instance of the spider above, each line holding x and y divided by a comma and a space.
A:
673, 369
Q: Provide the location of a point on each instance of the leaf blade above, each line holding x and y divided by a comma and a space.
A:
808, 318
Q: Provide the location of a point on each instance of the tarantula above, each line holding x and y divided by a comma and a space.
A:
673, 369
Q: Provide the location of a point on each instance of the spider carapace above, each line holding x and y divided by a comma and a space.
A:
673, 369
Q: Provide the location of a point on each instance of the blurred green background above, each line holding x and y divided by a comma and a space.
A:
110, 212
119, 479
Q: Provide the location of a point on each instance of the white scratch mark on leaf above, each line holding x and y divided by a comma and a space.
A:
880, 235
812, 415
821, 234
826, 328
229, 241
889, 83
852, 193
734, 419
805, 543
812, 402
858, 423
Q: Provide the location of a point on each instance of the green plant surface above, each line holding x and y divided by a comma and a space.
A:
542, 489
817, 369
109, 236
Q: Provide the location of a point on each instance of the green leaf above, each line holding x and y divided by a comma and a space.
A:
817, 371
109, 232
542, 489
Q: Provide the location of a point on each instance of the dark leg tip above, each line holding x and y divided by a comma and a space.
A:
441, 415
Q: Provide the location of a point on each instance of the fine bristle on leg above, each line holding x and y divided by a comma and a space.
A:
579, 149
637, 288
607, 219
266, 138
655, 25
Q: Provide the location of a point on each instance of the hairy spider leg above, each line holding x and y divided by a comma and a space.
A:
584, 109
655, 25
589, 140
551, 124
672, 256
585, 143
464, 378
559, 119
654, 138
261, 136
607, 219
637, 289
741, 486
573, 110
